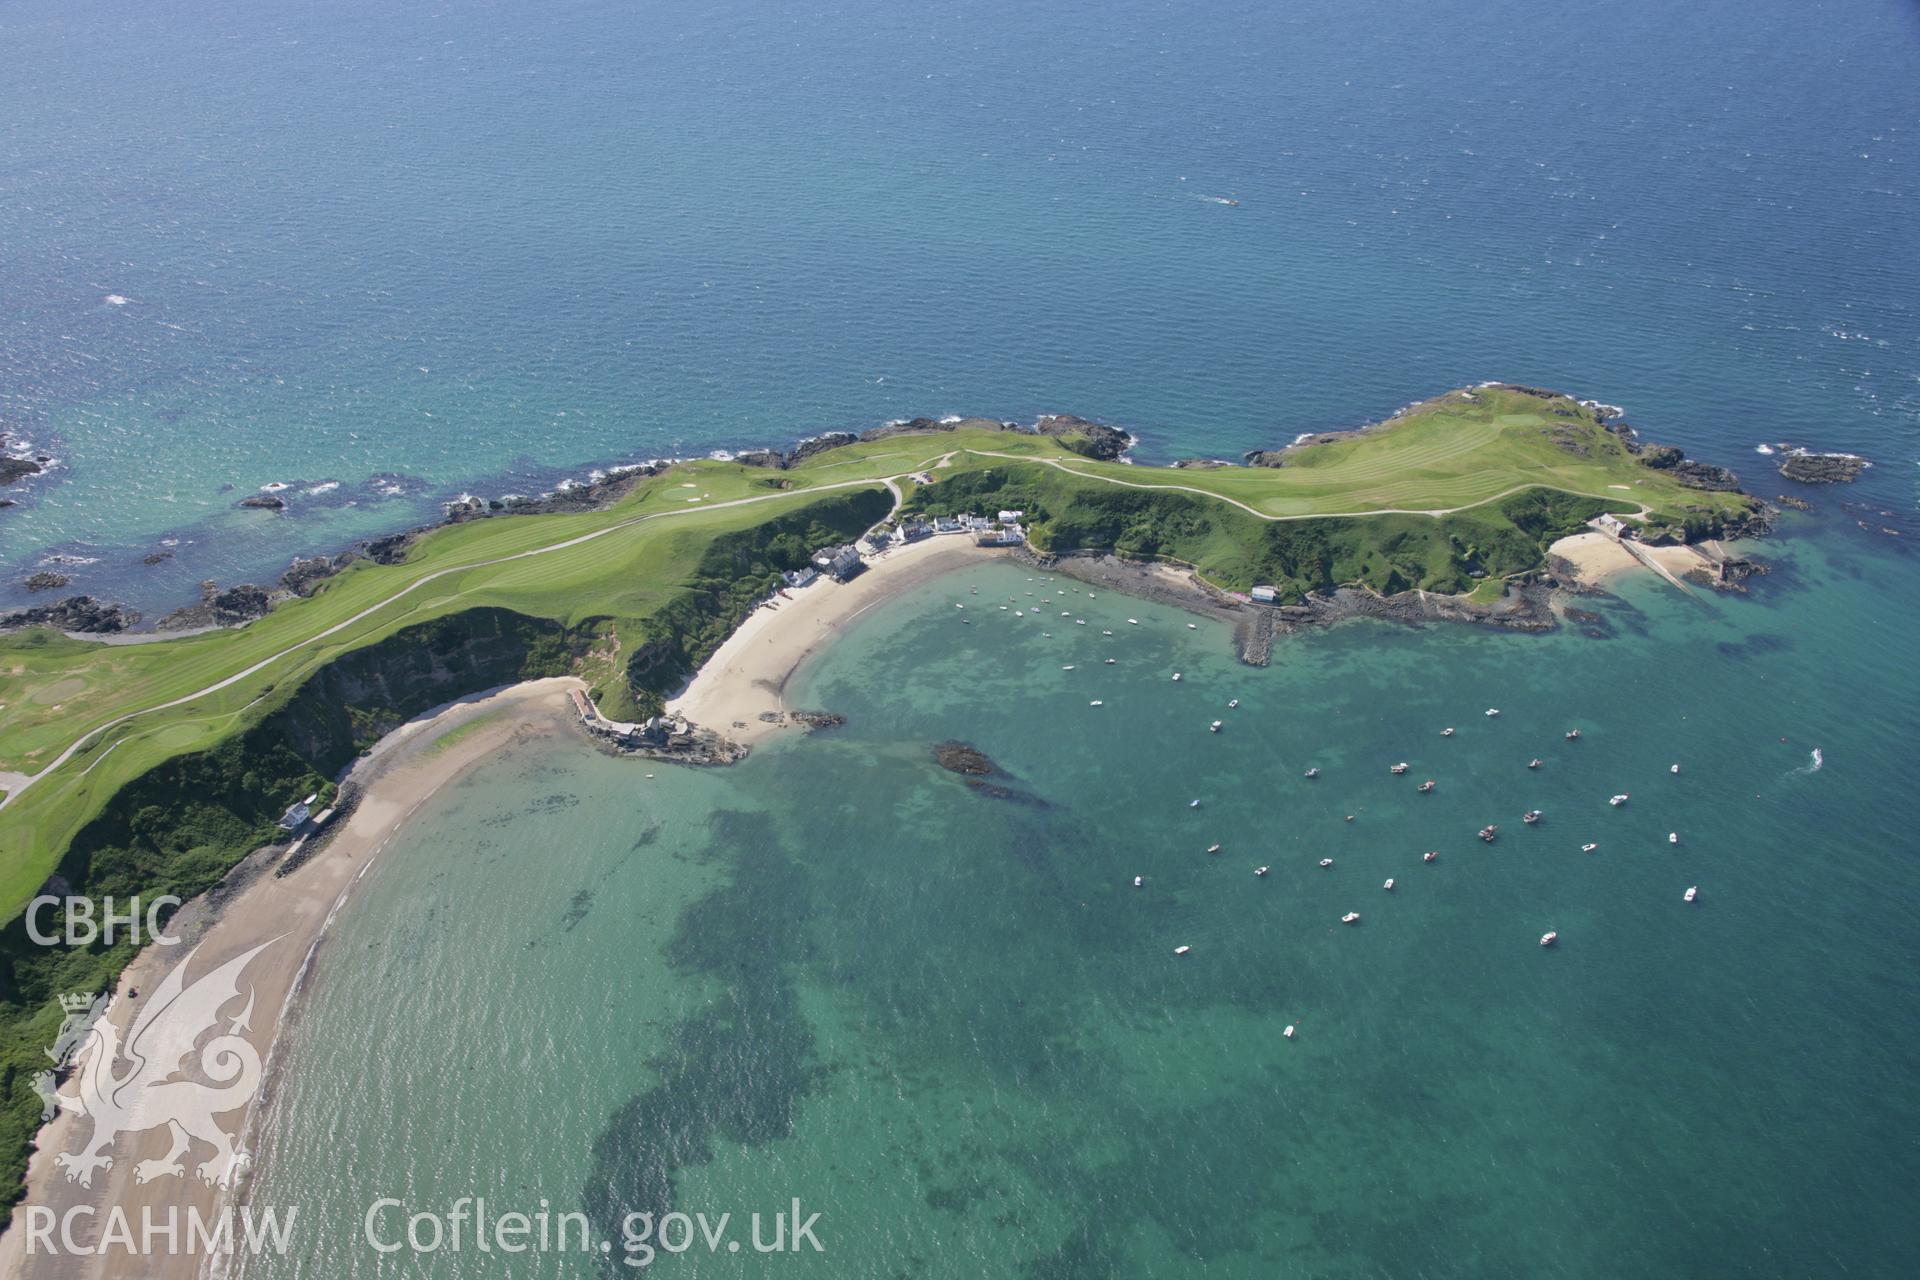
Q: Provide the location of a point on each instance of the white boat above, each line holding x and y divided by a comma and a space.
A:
1388, 884
1213, 848
1673, 837
1400, 768
1096, 703
1193, 804
1232, 703
1176, 677
1138, 881
1288, 1033
1313, 772
1429, 855
1446, 733
1352, 917
1617, 801
1182, 949
1534, 763
1693, 891
1133, 622
1068, 667
1548, 938
1193, 626
1492, 711
1260, 871
1572, 735
1425, 786
1109, 661
1106, 633
1673, 768
1588, 848
1326, 862
1215, 726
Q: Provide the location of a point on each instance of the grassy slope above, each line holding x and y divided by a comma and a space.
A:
1457, 450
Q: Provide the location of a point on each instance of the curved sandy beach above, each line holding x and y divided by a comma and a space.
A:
747, 676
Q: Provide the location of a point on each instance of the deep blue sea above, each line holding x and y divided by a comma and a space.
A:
382, 255
414, 250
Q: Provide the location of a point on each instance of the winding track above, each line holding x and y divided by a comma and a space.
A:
890, 482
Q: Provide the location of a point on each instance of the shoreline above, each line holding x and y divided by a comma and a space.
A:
293, 914
740, 691
1597, 559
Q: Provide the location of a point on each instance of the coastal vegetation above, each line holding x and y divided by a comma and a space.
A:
153, 768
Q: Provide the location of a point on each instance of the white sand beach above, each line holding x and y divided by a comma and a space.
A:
291, 913
747, 676
1597, 558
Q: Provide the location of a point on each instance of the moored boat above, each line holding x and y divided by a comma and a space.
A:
1588, 848
1429, 855
1447, 732
1488, 832
1182, 949
1548, 938
1326, 862
1352, 917
1313, 772
1617, 801
1530, 817
1388, 884
1426, 786
1534, 763
1260, 871
1215, 726
1397, 769
1693, 891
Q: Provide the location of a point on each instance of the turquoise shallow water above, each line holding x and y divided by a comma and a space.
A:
948, 1023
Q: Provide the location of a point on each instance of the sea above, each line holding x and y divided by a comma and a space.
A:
372, 257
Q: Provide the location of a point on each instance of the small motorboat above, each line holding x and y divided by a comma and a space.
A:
1352, 917
1573, 735
1176, 677
1133, 622
1213, 848
1326, 862
1548, 938
1138, 881
1673, 837
1398, 769
1492, 712
1096, 703
1068, 667
1106, 633
1426, 786
1182, 949
1349, 817
1313, 772
1288, 1033
1530, 817
1617, 801
1446, 733
1429, 855
1260, 871
1109, 661
1673, 768
1588, 848
1215, 726
1388, 884
1488, 832
1193, 626
1234, 702
1693, 891
1193, 804
1534, 763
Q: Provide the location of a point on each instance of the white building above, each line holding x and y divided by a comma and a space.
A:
1266, 595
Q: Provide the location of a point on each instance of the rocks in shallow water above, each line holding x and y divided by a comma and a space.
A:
156, 557
811, 720
14, 469
1822, 468
1798, 504
264, 502
391, 549
958, 757
47, 580
75, 613
1090, 439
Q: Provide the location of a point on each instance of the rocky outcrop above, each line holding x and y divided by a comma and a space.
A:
1089, 439
304, 576
959, 757
218, 608
14, 469
391, 549
1822, 468
1798, 504
819, 444
263, 502
1694, 475
47, 580
81, 614
156, 557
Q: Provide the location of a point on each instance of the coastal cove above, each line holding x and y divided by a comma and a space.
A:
1438, 1015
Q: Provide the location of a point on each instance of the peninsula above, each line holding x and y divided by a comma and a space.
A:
154, 768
